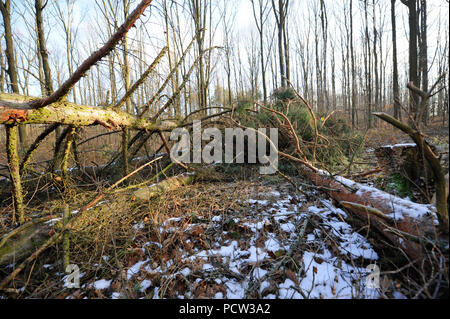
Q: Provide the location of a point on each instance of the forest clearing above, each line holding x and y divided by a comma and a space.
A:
213, 149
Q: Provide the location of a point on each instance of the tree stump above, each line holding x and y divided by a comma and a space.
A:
406, 160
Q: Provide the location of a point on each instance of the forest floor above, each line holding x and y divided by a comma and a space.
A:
247, 237
249, 240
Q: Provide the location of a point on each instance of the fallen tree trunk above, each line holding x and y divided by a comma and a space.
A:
398, 220
12, 111
23, 241
172, 183
382, 211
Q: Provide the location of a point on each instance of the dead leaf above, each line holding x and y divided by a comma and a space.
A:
318, 260
291, 275
335, 284
198, 231
271, 254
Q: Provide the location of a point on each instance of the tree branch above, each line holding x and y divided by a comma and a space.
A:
67, 113
93, 59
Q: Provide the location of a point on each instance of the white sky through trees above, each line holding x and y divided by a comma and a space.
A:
89, 27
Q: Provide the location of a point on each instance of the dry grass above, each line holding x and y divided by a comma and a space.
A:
119, 224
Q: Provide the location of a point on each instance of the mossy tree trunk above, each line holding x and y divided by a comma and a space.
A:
13, 110
67, 149
13, 160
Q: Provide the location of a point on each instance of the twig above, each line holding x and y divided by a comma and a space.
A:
100, 196
142, 78
367, 209
316, 131
367, 173
166, 146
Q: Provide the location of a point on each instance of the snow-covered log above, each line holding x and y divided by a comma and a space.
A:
397, 219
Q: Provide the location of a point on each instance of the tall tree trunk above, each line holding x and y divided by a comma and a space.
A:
396, 90
324, 27
352, 54
198, 9
333, 77
368, 67
423, 61
2, 70
260, 22
413, 60
5, 9
281, 57
13, 130
13, 160
126, 79
43, 56
42, 48
375, 67
280, 13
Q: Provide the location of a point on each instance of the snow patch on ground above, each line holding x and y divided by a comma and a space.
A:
135, 269
264, 253
102, 284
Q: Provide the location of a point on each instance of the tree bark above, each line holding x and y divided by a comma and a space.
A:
370, 205
5, 9
13, 160
413, 69
396, 89
423, 60
13, 110
126, 80
43, 49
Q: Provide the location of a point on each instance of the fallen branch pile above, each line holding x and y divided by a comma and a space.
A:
408, 226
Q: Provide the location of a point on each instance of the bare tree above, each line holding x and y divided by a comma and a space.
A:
66, 18
228, 22
353, 67
199, 12
43, 48
261, 14
413, 56
280, 11
396, 90
5, 9
423, 53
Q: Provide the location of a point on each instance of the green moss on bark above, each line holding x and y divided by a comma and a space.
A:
13, 161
